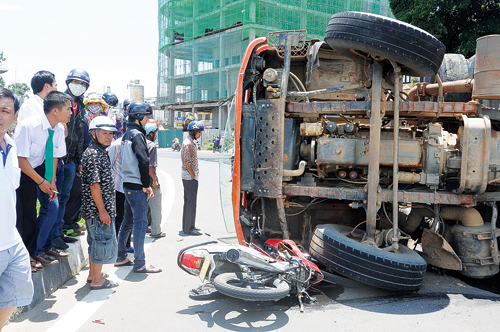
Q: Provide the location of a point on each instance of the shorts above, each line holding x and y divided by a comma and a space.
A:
101, 238
16, 287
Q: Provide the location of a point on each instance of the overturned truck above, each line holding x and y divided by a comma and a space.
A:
373, 182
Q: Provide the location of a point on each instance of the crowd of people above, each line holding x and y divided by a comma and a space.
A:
80, 158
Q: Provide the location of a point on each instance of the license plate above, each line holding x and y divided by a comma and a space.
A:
204, 268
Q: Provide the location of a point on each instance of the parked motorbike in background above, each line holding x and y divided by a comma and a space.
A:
268, 272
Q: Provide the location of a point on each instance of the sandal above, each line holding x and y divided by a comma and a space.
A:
149, 269
103, 274
36, 264
127, 263
107, 284
161, 234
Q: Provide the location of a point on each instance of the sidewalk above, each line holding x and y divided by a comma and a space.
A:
51, 277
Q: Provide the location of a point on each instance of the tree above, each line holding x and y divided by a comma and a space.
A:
20, 89
2, 59
456, 23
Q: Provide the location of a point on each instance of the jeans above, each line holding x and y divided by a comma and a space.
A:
64, 182
136, 210
189, 209
155, 206
46, 220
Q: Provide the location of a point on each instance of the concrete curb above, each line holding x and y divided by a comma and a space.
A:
51, 277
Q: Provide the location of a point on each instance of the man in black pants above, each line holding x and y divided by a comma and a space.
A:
189, 176
78, 82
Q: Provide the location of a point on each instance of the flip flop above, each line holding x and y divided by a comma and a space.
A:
128, 263
103, 274
161, 234
149, 269
107, 284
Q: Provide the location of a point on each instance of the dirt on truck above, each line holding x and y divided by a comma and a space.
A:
374, 183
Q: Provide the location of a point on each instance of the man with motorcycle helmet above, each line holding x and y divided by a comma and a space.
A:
137, 187
126, 103
114, 112
98, 201
77, 82
189, 176
110, 98
155, 201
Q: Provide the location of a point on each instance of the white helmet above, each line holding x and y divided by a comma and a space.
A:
102, 122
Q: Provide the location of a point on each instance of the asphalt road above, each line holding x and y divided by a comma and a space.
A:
160, 302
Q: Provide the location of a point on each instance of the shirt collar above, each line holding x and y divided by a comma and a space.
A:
46, 124
38, 99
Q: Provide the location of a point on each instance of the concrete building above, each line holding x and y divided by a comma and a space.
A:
202, 42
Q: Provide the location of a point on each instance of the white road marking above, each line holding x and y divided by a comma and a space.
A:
81, 313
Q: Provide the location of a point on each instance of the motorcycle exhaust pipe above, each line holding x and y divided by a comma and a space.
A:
258, 261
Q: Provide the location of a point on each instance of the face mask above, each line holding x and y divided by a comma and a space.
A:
76, 89
94, 109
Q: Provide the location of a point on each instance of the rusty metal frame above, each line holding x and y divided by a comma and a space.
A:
373, 202
386, 195
408, 108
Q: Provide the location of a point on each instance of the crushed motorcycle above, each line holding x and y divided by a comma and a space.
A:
267, 272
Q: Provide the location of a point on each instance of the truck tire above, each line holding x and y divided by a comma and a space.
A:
401, 271
357, 34
236, 285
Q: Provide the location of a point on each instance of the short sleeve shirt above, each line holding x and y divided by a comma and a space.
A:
189, 158
96, 168
31, 139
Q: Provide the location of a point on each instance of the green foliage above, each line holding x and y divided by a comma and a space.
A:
20, 89
207, 145
456, 23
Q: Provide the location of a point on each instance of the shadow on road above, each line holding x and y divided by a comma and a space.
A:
228, 314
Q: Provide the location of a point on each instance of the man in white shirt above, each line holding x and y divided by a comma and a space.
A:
32, 137
42, 83
16, 288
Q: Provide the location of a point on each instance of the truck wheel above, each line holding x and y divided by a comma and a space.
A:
402, 270
357, 34
238, 285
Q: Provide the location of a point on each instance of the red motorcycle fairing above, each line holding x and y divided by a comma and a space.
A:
292, 248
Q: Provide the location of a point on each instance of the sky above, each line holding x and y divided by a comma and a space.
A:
115, 41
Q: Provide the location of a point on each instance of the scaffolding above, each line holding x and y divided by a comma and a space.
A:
201, 42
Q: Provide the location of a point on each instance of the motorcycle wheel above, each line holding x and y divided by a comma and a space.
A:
239, 286
401, 271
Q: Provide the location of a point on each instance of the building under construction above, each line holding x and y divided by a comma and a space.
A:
201, 44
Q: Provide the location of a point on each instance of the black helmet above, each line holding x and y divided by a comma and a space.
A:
110, 98
127, 102
136, 111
